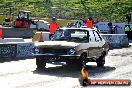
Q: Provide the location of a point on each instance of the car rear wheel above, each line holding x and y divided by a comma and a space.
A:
40, 63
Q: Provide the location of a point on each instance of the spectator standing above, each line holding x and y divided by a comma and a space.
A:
114, 29
128, 18
127, 31
110, 28
89, 22
82, 22
78, 24
54, 25
68, 25
1, 33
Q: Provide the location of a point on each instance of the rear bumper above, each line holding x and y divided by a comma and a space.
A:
54, 57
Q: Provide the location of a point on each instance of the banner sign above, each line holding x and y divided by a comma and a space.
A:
25, 50
7, 50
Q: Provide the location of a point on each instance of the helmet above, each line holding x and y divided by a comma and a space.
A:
54, 18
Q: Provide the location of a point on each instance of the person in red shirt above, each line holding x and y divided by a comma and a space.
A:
89, 23
1, 34
54, 25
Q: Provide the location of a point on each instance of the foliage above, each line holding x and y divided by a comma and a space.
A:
106, 10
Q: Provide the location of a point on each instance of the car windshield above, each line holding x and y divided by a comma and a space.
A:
73, 35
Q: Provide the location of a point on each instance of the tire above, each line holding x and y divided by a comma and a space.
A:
101, 61
83, 59
40, 63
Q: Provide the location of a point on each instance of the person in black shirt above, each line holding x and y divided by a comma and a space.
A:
128, 18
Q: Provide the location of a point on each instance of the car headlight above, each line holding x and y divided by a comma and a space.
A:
36, 50
72, 51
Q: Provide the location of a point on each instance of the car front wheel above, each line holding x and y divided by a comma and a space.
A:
83, 59
40, 63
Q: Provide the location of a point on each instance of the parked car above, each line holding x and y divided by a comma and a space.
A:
73, 46
41, 25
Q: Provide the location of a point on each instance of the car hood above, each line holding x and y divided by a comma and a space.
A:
58, 44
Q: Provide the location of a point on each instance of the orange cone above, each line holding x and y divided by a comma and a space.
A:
41, 37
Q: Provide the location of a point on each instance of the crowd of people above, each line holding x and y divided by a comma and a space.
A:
89, 23
54, 25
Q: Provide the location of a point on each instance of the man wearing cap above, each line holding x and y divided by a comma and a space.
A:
54, 25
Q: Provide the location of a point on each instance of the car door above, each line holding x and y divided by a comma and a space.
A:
93, 49
99, 42
83, 42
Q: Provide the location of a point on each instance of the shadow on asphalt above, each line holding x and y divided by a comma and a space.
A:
121, 47
3, 60
74, 72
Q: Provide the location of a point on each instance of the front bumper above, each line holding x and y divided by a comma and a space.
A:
54, 57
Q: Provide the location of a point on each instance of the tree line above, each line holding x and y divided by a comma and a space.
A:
104, 10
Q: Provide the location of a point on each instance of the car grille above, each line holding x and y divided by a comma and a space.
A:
54, 51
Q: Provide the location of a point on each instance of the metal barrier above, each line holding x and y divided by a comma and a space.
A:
25, 49
17, 33
116, 40
13, 50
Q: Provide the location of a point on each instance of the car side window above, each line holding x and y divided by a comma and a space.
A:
81, 35
97, 37
91, 36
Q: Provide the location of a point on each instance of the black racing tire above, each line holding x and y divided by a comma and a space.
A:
83, 59
101, 60
40, 63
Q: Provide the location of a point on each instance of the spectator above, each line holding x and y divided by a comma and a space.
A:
68, 24
128, 18
1, 33
127, 31
71, 25
89, 22
114, 29
82, 22
110, 28
54, 25
78, 24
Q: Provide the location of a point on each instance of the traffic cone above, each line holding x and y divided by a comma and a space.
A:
41, 37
